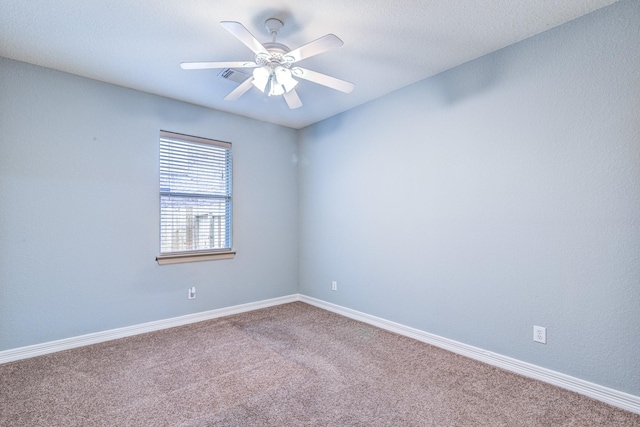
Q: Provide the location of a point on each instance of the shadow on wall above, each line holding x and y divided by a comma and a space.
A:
464, 81
443, 90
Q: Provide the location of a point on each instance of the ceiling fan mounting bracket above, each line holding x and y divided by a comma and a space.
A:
273, 25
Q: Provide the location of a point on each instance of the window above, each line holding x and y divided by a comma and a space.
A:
195, 199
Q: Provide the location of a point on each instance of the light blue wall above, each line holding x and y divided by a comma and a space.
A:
79, 208
499, 195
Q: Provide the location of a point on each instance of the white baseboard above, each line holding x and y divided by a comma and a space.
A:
97, 337
613, 397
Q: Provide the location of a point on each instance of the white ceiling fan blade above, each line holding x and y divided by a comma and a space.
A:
323, 79
292, 98
205, 65
240, 90
315, 47
242, 34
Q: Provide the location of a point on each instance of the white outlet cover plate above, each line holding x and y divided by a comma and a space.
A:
540, 334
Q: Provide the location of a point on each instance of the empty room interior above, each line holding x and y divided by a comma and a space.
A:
471, 188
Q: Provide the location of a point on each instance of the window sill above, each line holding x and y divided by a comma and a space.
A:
176, 258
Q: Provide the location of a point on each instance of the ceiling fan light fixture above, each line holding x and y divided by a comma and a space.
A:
274, 81
285, 78
276, 89
261, 77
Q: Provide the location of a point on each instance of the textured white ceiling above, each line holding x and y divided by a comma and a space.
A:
387, 45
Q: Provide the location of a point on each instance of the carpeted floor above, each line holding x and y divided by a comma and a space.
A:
290, 365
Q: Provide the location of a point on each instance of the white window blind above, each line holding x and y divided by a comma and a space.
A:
195, 194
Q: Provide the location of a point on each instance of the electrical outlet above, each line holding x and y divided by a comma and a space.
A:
192, 292
334, 285
540, 334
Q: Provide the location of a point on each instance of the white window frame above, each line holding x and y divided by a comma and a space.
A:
167, 164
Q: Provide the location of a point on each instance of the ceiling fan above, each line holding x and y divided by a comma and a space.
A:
274, 72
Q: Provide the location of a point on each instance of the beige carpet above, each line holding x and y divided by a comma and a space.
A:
291, 365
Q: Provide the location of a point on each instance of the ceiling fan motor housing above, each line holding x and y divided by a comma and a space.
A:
277, 55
